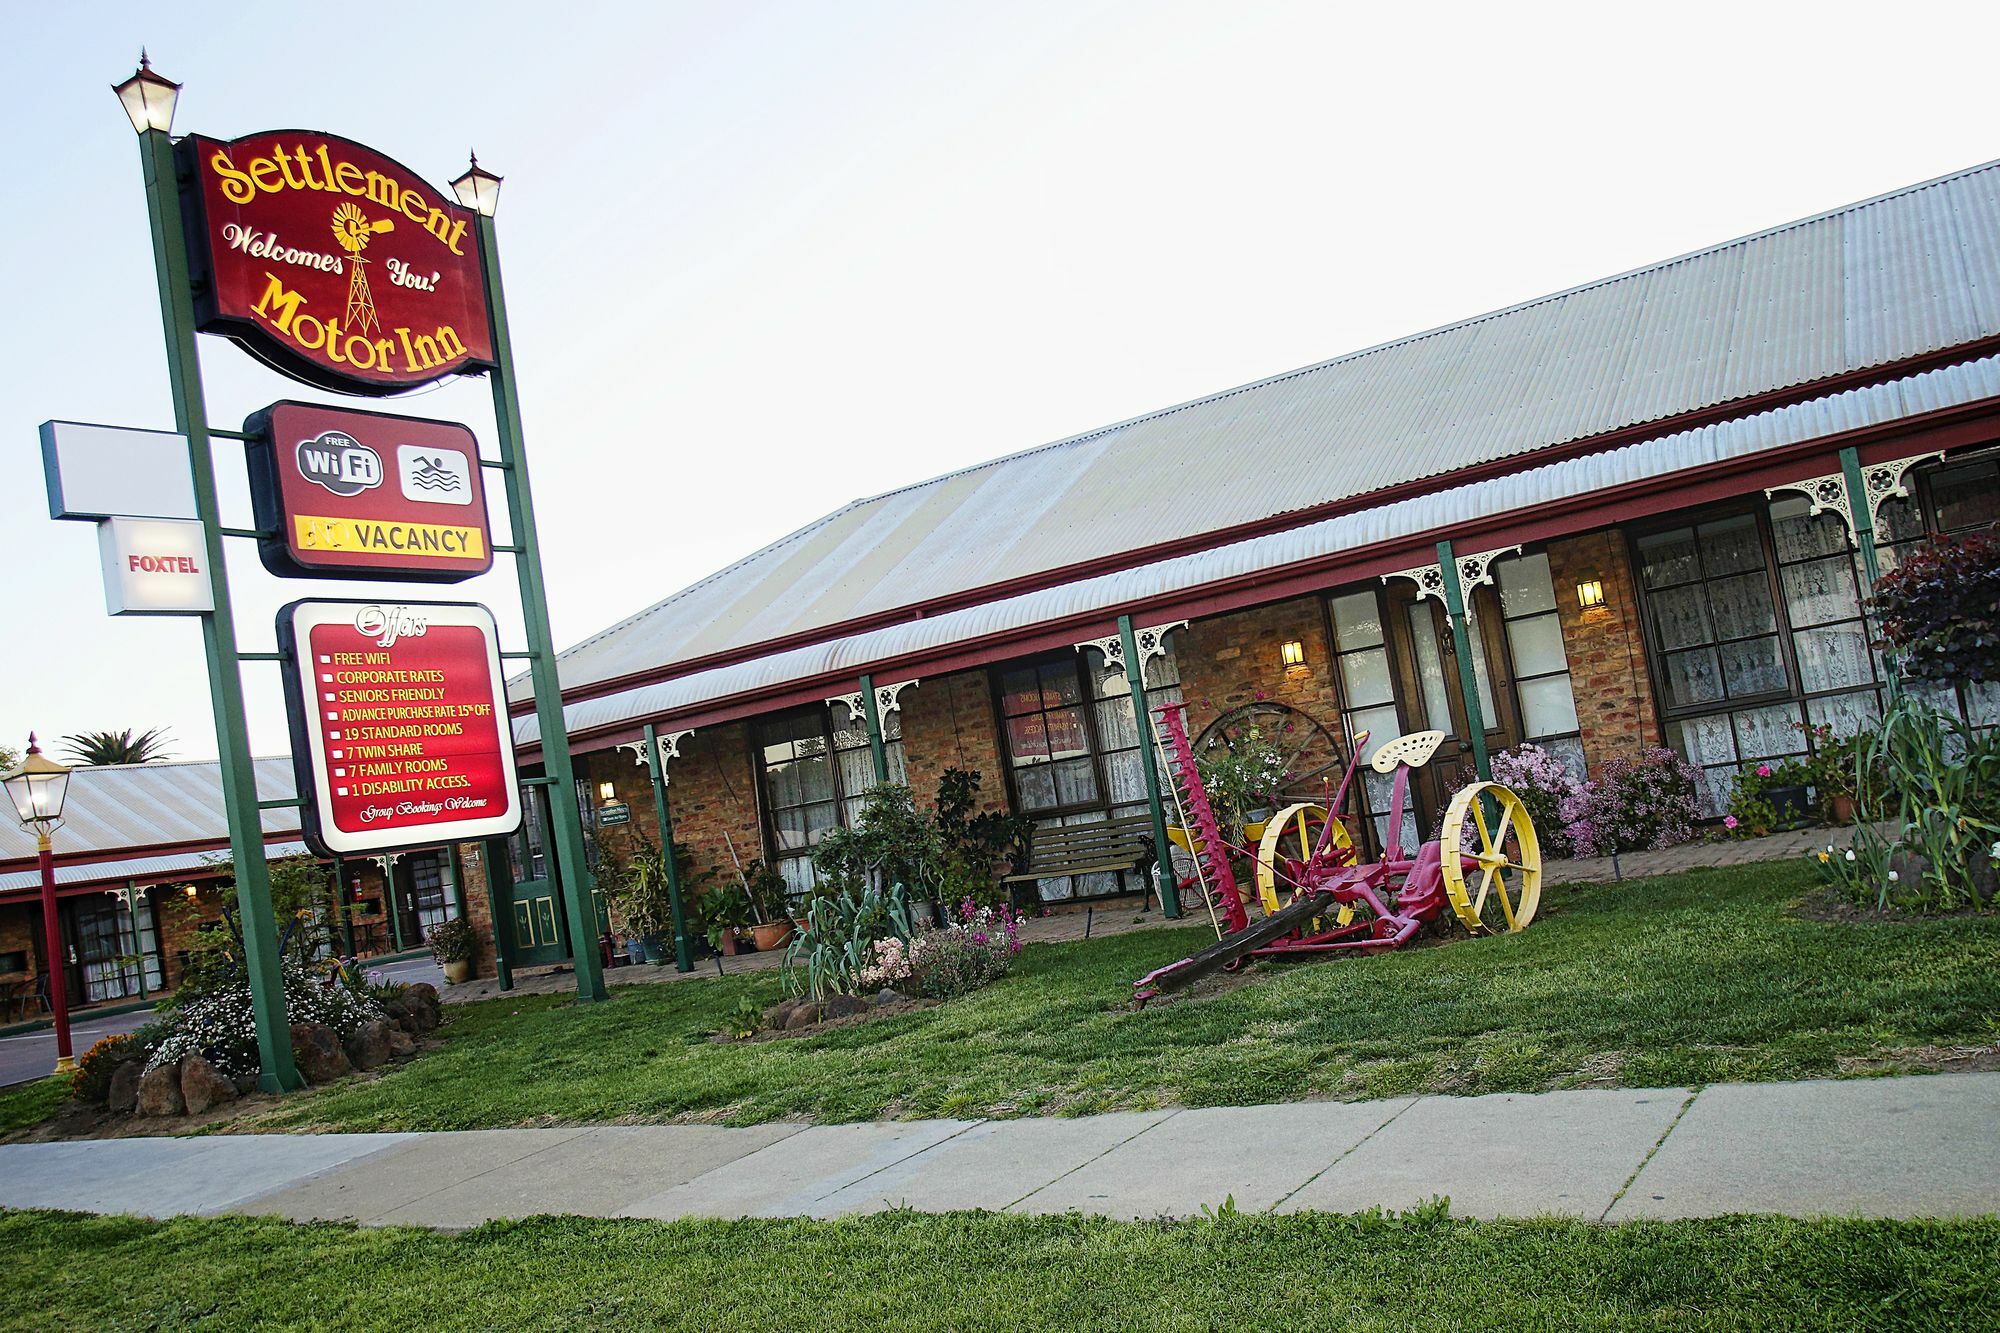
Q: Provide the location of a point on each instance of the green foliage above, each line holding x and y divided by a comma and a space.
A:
452, 941
892, 843
1751, 812
1244, 777
92, 1080
1702, 977
634, 878
769, 901
839, 939
96, 748
744, 1019
977, 846
723, 909
1937, 780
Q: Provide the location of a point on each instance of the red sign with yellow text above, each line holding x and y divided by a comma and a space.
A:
400, 735
332, 263
343, 493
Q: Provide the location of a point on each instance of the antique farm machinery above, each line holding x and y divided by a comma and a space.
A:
1312, 893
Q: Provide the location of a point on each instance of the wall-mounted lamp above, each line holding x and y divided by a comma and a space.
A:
1294, 654
1590, 593
607, 791
192, 891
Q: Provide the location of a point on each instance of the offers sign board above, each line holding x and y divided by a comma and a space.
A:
400, 735
350, 494
332, 263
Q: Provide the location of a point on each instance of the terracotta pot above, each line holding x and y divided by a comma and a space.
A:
1842, 809
729, 943
771, 934
458, 973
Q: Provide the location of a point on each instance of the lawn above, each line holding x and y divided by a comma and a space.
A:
1685, 979
982, 1270
31, 1103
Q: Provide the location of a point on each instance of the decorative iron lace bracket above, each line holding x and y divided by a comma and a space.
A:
670, 749
1828, 494
1473, 570
888, 699
1151, 641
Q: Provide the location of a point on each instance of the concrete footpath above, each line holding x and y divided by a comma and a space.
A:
1890, 1147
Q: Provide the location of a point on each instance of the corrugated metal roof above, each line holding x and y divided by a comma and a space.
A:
116, 806
1679, 451
137, 867
1910, 273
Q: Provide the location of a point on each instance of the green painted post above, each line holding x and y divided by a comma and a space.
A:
572, 871
1142, 717
342, 905
389, 905
1468, 678
276, 1073
138, 949
876, 749
499, 863
457, 879
1863, 515
656, 764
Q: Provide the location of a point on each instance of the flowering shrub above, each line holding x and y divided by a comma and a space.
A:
976, 949
887, 965
221, 1026
1751, 812
1248, 775
1641, 804
1940, 609
92, 1080
1549, 790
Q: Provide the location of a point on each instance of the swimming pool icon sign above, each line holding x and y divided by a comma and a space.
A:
434, 476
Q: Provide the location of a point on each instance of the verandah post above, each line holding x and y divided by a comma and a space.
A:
1142, 717
656, 763
1468, 677
1863, 515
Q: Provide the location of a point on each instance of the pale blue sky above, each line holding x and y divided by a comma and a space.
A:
765, 258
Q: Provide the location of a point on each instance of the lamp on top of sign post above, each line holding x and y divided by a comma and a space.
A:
148, 97
38, 786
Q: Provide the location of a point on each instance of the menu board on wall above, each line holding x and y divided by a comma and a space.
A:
400, 736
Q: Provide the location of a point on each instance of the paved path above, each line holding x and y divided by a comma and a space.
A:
1891, 1147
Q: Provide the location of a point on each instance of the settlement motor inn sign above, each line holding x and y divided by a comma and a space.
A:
399, 724
335, 264
349, 494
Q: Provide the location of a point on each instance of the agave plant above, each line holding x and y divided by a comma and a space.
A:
97, 748
839, 939
1934, 777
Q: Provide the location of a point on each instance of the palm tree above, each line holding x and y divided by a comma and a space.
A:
94, 748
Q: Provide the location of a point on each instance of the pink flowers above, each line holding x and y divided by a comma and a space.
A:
1729, 821
1763, 771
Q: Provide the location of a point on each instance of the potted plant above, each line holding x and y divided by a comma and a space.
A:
772, 925
1835, 767
1772, 797
452, 944
724, 910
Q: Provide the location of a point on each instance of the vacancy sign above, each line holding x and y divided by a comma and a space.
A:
154, 567
399, 724
341, 493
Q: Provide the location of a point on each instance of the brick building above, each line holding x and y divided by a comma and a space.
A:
1643, 482
142, 866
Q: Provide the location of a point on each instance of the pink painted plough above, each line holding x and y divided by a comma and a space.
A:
1314, 896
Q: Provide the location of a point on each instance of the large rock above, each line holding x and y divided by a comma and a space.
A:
318, 1053
401, 1044
424, 992
203, 1086
160, 1092
368, 1045
775, 1016
844, 1006
125, 1086
802, 1016
423, 1017
889, 995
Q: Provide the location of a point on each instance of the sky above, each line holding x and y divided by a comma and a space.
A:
763, 259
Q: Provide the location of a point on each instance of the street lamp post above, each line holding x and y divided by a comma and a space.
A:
38, 786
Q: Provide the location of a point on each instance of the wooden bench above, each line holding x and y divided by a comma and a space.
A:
1124, 844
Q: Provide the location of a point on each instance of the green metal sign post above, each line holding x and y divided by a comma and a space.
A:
572, 869
656, 763
218, 627
1142, 718
1468, 677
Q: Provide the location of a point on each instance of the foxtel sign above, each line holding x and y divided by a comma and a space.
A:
332, 263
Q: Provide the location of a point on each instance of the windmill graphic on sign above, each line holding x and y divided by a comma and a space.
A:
353, 230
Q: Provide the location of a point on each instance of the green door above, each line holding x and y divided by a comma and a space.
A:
539, 936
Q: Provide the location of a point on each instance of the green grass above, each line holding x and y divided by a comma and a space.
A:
1686, 979
980, 1270
28, 1104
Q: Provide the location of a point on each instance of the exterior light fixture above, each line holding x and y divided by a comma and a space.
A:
607, 791
192, 891
38, 786
1294, 654
149, 98
1590, 593
478, 189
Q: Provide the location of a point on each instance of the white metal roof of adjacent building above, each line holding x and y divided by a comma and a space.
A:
167, 803
1912, 272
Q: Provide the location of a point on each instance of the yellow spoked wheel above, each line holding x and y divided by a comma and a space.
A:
1293, 832
1488, 824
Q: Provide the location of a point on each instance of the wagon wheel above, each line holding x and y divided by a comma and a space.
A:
1293, 832
1491, 858
1308, 749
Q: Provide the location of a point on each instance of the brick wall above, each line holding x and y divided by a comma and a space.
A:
20, 932
1606, 647
1228, 661
478, 911
948, 723
712, 791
